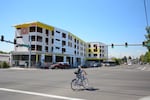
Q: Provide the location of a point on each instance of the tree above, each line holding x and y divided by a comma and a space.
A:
147, 36
130, 57
3, 52
145, 58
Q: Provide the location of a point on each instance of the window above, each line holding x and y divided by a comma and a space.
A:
69, 44
89, 50
75, 52
46, 41
39, 38
75, 46
32, 29
81, 48
46, 48
100, 50
63, 35
95, 50
95, 45
39, 29
52, 41
57, 48
39, 48
63, 43
47, 32
78, 53
89, 55
63, 50
100, 55
57, 39
52, 33
69, 37
52, 49
32, 38
32, 47
95, 55
75, 40
89, 45
57, 32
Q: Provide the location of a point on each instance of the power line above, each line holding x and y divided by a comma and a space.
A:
145, 7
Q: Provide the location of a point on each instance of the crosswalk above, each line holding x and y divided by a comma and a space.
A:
144, 68
137, 67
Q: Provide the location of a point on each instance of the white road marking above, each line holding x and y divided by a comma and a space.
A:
39, 94
145, 98
143, 68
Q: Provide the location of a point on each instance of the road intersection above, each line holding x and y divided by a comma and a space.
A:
106, 83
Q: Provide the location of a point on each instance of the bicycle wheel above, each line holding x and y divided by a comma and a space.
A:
75, 85
85, 83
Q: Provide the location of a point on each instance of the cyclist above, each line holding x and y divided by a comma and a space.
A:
81, 73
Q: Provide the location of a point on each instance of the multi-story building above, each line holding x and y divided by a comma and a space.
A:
96, 51
50, 44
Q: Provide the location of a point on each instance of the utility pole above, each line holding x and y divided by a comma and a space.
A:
29, 48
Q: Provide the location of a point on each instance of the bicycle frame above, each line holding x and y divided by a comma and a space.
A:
80, 82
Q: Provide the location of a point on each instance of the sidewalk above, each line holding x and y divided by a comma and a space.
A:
20, 68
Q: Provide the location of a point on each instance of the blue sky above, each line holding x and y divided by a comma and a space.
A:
107, 21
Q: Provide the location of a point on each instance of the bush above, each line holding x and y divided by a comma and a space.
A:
4, 65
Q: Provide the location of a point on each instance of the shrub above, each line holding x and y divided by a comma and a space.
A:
4, 65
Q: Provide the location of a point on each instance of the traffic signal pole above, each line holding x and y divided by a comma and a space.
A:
17, 44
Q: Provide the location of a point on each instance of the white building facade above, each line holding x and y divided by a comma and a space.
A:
50, 44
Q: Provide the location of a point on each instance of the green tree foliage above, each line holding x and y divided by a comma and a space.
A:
118, 61
4, 64
145, 58
2, 52
147, 36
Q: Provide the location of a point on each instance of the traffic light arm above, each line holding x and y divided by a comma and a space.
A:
14, 42
124, 45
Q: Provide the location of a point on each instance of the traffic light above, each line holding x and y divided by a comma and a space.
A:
15, 42
112, 45
143, 43
2, 38
126, 44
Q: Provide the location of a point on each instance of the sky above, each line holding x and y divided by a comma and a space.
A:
107, 21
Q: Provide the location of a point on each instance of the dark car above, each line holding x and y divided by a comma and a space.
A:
84, 66
60, 65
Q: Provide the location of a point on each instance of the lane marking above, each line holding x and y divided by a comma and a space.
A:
39, 94
143, 68
145, 98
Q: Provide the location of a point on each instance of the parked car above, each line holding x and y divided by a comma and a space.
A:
96, 65
60, 65
84, 66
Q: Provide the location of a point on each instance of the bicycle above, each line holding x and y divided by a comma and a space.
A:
79, 82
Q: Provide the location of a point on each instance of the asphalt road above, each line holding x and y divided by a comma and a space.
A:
106, 83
